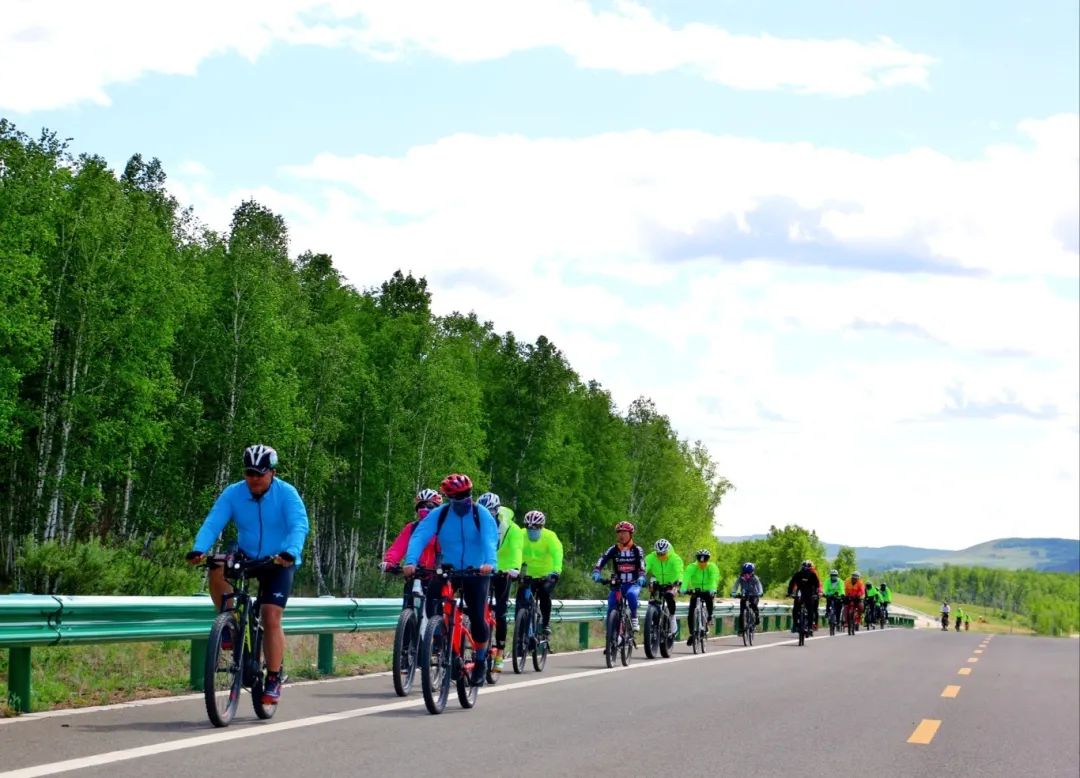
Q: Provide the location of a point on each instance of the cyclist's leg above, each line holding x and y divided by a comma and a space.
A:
669, 599
543, 598
275, 585
500, 586
219, 587
631, 592
709, 599
611, 601
753, 603
432, 595
690, 619
474, 591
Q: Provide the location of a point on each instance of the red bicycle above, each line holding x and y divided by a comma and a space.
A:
447, 649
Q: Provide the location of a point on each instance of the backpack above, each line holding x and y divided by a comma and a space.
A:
442, 518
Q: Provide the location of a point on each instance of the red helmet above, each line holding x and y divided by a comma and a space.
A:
624, 526
456, 485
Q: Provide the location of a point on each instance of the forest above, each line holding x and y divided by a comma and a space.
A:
141, 351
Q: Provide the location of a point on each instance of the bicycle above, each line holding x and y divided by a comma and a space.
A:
869, 614
851, 614
698, 622
945, 622
410, 627
832, 614
619, 629
801, 617
748, 626
883, 615
529, 636
447, 649
659, 637
241, 665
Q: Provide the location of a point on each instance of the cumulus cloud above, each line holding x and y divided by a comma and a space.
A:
122, 41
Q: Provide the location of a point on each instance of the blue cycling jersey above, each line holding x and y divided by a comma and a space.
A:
275, 522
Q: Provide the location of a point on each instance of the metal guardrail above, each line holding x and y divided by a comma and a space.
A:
28, 621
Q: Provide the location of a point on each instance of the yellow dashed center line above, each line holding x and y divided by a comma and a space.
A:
978, 650
925, 732
973, 659
964, 671
951, 691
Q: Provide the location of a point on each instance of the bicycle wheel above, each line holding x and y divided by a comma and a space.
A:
611, 643
667, 639
264, 710
626, 646
751, 627
520, 645
801, 626
703, 627
405, 648
746, 640
540, 645
221, 677
434, 664
832, 621
466, 691
652, 632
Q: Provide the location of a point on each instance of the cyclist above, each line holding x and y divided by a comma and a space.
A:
270, 520
424, 502
967, 621
945, 615
748, 589
959, 617
664, 565
704, 575
806, 581
507, 564
833, 589
817, 600
542, 554
885, 597
854, 591
871, 602
628, 561
470, 540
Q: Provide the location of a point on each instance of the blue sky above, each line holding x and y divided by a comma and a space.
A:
844, 234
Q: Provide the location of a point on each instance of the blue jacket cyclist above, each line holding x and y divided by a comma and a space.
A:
271, 521
468, 537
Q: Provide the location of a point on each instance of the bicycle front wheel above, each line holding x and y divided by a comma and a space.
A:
466, 690
626, 646
540, 645
611, 644
652, 632
406, 641
221, 677
520, 647
434, 664
751, 628
264, 710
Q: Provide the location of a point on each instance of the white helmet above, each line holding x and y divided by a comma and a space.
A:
662, 546
535, 519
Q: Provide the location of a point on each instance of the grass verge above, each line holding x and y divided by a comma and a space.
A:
983, 619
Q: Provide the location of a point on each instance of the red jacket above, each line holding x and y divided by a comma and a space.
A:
396, 552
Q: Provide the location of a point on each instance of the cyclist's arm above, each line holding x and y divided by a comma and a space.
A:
604, 559
296, 519
489, 537
396, 552
677, 566
556, 553
215, 522
759, 590
641, 561
712, 580
515, 539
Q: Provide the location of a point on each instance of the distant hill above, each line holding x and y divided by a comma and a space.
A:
1047, 554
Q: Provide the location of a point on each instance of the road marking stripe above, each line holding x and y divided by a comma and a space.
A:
973, 659
221, 736
978, 651
951, 691
925, 732
964, 671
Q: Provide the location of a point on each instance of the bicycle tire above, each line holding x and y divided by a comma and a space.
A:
434, 663
406, 645
519, 647
745, 627
222, 679
703, 619
751, 627
626, 648
667, 639
611, 638
466, 690
652, 628
540, 645
801, 625
264, 710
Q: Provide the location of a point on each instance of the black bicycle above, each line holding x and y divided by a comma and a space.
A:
529, 636
407, 633
747, 621
698, 622
883, 614
659, 623
801, 617
234, 652
832, 613
619, 642
870, 614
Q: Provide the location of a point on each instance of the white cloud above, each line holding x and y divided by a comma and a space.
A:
849, 399
111, 44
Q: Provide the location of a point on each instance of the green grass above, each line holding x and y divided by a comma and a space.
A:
983, 619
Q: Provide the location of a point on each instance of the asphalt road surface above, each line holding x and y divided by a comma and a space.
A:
892, 703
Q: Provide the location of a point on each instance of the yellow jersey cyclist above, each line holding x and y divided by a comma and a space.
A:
665, 567
507, 567
542, 556
703, 576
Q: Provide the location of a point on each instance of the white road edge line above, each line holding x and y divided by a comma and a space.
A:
123, 755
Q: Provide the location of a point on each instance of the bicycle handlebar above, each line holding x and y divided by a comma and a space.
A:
234, 563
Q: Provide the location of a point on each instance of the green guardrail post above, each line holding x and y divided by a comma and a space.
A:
326, 653
789, 622
718, 625
583, 635
198, 663
19, 678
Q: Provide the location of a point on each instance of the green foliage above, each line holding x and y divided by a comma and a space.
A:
845, 563
140, 352
1050, 602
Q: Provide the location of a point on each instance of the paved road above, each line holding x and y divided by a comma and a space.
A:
838, 705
